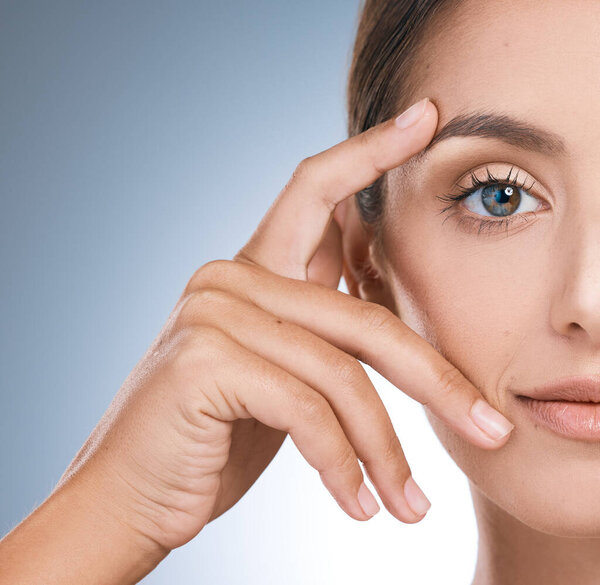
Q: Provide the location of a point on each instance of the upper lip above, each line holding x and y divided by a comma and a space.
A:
573, 389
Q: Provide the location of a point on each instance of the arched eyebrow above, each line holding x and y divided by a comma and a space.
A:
500, 127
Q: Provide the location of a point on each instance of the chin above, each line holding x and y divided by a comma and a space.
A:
549, 483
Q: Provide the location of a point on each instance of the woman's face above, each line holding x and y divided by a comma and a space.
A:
518, 305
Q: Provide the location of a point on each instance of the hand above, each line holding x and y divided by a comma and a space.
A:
263, 346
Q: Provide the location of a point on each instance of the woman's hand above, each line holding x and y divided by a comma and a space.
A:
263, 346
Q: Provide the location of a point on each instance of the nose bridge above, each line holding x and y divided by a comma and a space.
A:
577, 257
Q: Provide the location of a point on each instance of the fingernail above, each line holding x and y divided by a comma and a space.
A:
367, 502
489, 420
412, 115
416, 499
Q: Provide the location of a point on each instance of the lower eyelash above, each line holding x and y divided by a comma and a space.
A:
483, 224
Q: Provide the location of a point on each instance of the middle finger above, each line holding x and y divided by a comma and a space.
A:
372, 334
333, 373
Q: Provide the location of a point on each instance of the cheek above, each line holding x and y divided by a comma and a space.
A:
539, 483
473, 302
484, 307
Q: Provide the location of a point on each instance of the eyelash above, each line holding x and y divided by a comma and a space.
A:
476, 184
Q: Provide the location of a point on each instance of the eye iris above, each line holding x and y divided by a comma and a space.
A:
501, 199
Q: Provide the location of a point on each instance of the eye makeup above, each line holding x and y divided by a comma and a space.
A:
502, 198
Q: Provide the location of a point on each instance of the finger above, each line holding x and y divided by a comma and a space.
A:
240, 384
290, 232
326, 265
372, 334
336, 375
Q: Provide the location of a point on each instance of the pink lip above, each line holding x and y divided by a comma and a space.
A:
576, 420
569, 406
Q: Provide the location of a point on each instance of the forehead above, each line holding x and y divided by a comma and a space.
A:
538, 60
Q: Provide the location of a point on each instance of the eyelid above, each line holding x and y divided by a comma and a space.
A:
512, 176
468, 218
528, 183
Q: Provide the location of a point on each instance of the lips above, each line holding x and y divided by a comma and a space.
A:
569, 407
572, 389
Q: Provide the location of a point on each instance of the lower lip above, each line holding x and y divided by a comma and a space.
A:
575, 420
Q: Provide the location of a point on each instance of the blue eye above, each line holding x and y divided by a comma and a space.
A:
499, 200
505, 199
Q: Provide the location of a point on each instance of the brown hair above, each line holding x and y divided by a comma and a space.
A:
382, 77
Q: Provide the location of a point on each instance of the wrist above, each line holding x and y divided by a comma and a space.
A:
82, 534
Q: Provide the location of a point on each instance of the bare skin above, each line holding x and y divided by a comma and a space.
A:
516, 306
255, 348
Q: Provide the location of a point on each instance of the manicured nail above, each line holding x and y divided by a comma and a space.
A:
367, 502
416, 499
412, 115
489, 420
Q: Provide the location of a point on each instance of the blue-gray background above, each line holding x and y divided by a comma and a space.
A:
139, 140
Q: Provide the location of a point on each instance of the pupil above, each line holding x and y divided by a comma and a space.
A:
501, 199
503, 195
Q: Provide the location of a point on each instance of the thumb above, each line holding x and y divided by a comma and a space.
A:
325, 267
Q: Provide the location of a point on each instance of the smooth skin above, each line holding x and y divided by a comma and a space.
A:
255, 348
518, 306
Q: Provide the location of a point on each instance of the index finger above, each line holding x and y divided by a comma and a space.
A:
290, 232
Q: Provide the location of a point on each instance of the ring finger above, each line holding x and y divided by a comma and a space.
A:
335, 374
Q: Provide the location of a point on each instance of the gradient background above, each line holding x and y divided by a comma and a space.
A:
139, 140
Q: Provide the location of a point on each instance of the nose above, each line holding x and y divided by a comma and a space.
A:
575, 307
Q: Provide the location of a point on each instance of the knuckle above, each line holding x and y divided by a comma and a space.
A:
303, 169
377, 317
344, 459
210, 274
389, 453
198, 303
393, 449
307, 173
312, 172
448, 382
313, 408
348, 372
198, 347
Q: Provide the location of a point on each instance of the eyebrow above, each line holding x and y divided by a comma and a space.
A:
501, 127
